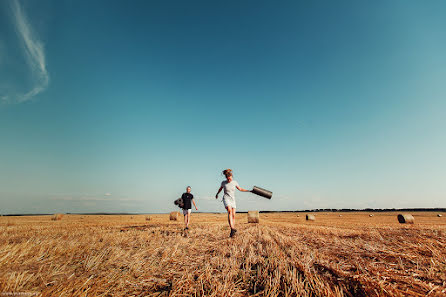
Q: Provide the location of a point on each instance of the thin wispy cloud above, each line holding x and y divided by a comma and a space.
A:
95, 198
210, 198
35, 55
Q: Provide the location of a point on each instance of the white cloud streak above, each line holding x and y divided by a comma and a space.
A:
34, 52
94, 198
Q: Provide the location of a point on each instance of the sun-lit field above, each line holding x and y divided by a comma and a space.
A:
285, 255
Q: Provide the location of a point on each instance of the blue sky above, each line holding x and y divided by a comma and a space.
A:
118, 106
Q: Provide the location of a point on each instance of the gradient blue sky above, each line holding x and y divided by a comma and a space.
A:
119, 105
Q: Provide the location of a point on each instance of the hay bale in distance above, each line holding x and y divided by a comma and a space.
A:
439, 215
340, 215
405, 218
174, 215
253, 217
310, 217
370, 215
57, 217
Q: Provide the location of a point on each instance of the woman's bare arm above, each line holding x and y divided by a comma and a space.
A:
241, 189
219, 190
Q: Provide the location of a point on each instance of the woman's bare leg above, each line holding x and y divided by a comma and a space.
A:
233, 218
230, 217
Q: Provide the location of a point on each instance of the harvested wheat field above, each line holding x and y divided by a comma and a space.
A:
284, 255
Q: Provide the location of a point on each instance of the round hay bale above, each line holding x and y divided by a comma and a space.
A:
298, 215
253, 217
57, 217
174, 215
439, 215
310, 217
370, 215
340, 215
406, 218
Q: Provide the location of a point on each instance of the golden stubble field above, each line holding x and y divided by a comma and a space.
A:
284, 255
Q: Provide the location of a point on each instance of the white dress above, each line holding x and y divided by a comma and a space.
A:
229, 190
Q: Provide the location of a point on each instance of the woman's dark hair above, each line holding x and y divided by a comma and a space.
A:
227, 172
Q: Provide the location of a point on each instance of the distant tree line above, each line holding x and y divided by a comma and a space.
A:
358, 210
262, 211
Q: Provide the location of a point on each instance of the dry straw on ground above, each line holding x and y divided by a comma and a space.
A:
406, 218
174, 215
310, 217
148, 218
57, 217
253, 217
283, 256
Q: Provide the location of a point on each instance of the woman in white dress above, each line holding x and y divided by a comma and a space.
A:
229, 185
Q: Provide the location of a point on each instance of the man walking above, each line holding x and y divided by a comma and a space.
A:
188, 199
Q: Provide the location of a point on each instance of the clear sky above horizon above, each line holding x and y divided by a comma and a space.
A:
117, 106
